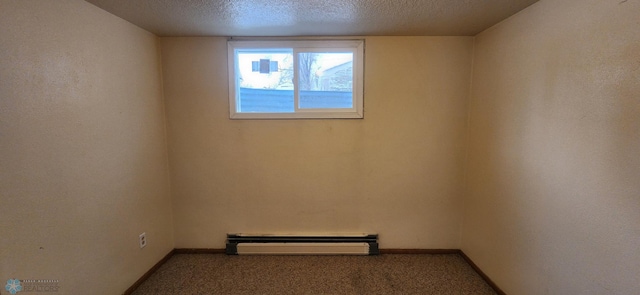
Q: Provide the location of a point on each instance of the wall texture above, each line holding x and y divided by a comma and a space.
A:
551, 203
553, 197
396, 172
83, 160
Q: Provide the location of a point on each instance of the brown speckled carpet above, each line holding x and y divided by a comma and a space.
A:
383, 274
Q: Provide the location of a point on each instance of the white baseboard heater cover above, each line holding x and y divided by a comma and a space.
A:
238, 244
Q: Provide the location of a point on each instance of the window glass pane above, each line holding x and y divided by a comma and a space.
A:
325, 80
295, 79
265, 80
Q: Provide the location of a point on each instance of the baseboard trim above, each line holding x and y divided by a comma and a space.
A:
382, 252
147, 274
419, 251
198, 251
482, 274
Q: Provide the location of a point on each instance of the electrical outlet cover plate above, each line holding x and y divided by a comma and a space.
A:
142, 239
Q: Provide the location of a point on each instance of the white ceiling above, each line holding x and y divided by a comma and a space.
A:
313, 17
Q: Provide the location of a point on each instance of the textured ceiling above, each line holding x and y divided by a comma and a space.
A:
313, 17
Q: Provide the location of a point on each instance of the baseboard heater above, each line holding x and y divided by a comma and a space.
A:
365, 244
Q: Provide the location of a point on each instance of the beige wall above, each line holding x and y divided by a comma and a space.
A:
397, 172
551, 203
83, 161
553, 194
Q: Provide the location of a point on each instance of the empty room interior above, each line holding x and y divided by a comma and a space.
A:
509, 130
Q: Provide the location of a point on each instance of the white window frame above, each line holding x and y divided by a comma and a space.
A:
354, 46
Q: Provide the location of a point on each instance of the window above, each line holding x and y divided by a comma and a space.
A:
296, 79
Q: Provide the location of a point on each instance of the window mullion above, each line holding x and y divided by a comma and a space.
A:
296, 73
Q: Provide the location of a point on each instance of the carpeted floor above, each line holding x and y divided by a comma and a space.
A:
383, 274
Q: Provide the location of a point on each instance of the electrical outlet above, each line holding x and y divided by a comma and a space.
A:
142, 240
